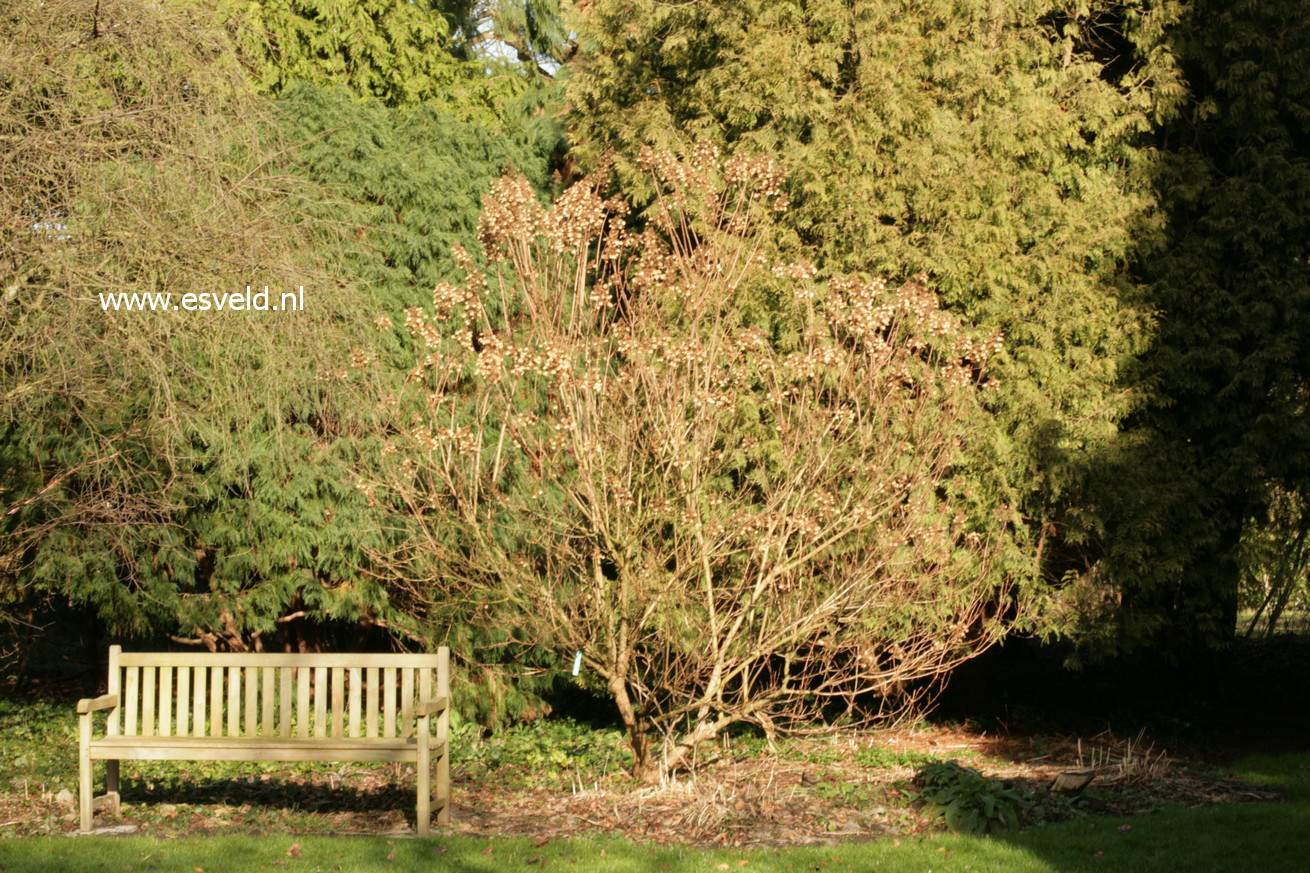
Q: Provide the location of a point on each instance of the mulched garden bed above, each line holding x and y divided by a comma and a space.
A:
809, 791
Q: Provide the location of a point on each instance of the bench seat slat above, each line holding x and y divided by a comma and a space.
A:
254, 749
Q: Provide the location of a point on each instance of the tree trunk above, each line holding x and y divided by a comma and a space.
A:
676, 755
645, 768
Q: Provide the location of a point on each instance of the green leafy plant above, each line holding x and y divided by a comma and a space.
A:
966, 800
546, 752
877, 757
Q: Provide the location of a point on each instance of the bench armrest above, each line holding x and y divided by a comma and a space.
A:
92, 704
432, 707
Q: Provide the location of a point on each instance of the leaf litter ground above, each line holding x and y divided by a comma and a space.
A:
552, 780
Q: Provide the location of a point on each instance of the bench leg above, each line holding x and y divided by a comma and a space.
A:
423, 817
111, 784
84, 774
443, 779
443, 737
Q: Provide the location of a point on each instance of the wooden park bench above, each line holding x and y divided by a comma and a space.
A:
189, 706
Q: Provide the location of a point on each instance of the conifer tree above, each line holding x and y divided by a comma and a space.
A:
1227, 269
172, 471
991, 145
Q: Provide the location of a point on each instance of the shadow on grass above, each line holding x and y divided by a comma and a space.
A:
1230, 838
320, 796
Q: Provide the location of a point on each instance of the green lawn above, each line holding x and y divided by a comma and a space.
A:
1258, 837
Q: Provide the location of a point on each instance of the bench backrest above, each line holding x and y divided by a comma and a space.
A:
195, 694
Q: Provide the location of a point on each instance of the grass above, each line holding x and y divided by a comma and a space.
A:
1264, 837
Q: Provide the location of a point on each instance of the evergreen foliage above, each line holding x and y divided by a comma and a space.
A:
406, 183
1119, 187
396, 52
175, 472
984, 143
535, 30
1228, 270
400, 53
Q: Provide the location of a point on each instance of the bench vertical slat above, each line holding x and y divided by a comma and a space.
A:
371, 704
183, 701
148, 702
129, 710
443, 736
198, 677
406, 702
234, 701
427, 688
216, 692
284, 704
302, 702
165, 701
320, 701
266, 727
338, 701
389, 702
114, 686
355, 681
252, 701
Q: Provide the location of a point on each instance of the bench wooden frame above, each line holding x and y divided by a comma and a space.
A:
239, 707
